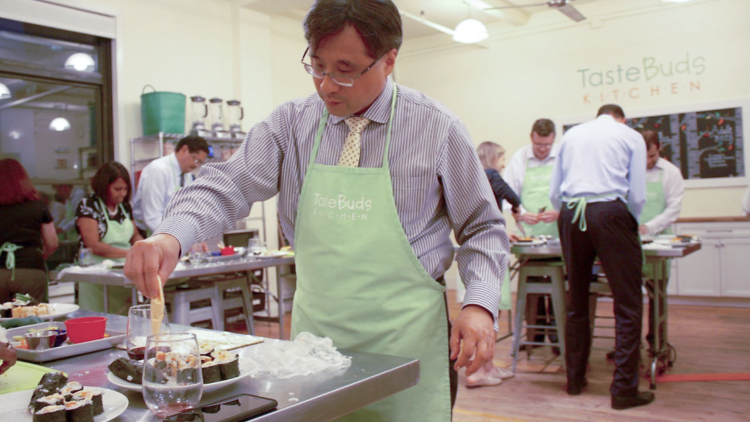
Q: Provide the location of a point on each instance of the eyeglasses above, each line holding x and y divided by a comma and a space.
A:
540, 145
197, 160
347, 81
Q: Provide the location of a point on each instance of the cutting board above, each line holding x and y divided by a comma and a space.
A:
22, 376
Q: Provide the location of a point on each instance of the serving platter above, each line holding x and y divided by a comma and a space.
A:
247, 368
66, 350
14, 406
59, 310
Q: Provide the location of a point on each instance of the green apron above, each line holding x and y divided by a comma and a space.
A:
535, 195
360, 283
656, 203
91, 296
10, 257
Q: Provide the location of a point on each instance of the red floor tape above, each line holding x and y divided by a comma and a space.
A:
701, 377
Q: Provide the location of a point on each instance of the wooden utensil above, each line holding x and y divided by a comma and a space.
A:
157, 309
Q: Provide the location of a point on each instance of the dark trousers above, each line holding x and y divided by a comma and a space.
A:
612, 235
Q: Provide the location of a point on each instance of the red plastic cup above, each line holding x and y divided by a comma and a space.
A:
229, 250
81, 330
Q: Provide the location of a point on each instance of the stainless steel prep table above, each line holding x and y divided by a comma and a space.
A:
321, 397
660, 258
240, 265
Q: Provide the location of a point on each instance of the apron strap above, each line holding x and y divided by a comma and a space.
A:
579, 203
10, 258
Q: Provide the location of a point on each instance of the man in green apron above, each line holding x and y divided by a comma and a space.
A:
372, 177
664, 190
529, 174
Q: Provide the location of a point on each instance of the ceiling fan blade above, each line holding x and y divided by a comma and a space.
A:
517, 6
571, 12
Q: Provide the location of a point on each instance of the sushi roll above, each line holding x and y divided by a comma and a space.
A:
70, 389
188, 369
95, 396
128, 370
229, 364
206, 349
54, 413
51, 383
53, 400
211, 372
79, 411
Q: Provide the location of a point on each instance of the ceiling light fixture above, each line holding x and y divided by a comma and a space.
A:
470, 31
4, 92
81, 62
59, 124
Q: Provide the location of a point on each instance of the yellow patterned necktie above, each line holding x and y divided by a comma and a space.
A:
352, 147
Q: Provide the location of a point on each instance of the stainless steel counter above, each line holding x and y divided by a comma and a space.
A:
316, 398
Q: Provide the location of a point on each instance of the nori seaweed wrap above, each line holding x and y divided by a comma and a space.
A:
51, 400
70, 388
80, 411
95, 396
54, 413
51, 383
229, 364
211, 409
206, 349
188, 368
129, 370
211, 372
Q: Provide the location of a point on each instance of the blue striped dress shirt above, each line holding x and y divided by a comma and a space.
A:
438, 184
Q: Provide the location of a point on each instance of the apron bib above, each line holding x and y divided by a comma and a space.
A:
656, 203
360, 283
534, 196
91, 296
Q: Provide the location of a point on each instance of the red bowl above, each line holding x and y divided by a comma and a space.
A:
81, 330
229, 250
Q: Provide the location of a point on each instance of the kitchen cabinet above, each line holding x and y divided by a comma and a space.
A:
721, 268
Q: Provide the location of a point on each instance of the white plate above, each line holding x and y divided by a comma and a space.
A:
58, 310
272, 255
247, 367
15, 405
535, 242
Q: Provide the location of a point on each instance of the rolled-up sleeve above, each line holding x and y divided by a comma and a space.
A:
225, 192
478, 225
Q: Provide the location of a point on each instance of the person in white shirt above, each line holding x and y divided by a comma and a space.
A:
529, 174
664, 190
165, 176
63, 210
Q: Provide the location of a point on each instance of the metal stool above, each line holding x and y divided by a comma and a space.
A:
555, 270
179, 306
597, 289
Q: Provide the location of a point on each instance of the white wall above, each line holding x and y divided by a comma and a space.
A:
533, 71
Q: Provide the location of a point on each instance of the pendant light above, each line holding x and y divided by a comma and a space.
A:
4, 92
470, 31
59, 124
81, 62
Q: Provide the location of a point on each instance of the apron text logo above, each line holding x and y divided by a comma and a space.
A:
343, 203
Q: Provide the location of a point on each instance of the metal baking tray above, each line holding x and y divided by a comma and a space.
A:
66, 350
222, 258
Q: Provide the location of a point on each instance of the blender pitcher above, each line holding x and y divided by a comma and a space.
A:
198, 112
236, 113
217, 116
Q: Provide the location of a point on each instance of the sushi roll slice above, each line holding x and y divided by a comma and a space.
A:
211, 372
206, 349
54, 413
95, 396
229, 364
51, 383
53, 400
79, 411
70, 389
128, 370
188, 369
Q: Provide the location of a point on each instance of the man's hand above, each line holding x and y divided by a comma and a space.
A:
8, 356
472, 336
642, 229
199, 247
156, 255
529, 218
513, 237
549, 216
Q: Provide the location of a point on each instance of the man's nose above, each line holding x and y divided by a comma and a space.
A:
328, 86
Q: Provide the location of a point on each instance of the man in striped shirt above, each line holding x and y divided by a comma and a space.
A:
435, 184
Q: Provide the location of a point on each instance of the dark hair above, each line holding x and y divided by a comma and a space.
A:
543, 127
651, 138
16, 186
612, 109
378, 23
194, 144
108, 174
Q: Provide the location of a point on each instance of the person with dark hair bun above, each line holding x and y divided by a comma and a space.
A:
27, 235
106, 227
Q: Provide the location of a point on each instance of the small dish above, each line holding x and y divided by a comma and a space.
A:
41, 340
81, 330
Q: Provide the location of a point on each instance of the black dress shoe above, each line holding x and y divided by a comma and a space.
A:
626, 402
576, 390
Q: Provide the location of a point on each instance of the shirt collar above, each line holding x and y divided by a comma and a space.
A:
379, 111
606, 117
552, 153
660, 163
174, 164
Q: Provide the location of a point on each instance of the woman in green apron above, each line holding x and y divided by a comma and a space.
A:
106, 226
27, 235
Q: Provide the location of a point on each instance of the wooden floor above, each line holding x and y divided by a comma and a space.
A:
708, 340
